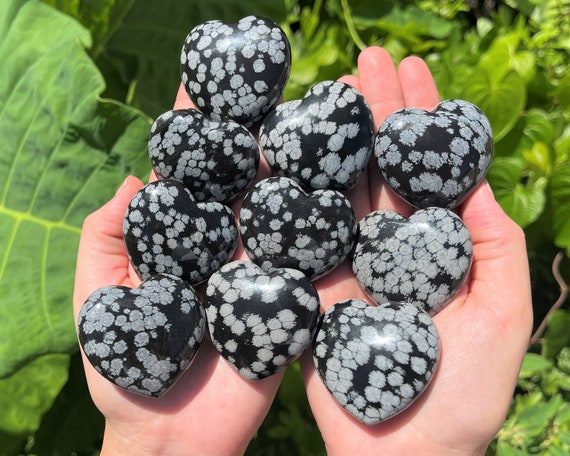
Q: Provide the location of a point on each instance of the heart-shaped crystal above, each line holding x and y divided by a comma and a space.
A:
260, 322
214, 160
322, 141
423, 259
435, 158
142, 339
284, 227
236, 71
376, 360
166, 231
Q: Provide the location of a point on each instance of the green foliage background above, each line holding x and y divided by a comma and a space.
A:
80, 82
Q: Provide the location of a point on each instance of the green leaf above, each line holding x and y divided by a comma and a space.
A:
534, 364
101, 17
145, 48
501, 95
27, 394
560, 199
62, 154
535, 418
556, 335
524, 203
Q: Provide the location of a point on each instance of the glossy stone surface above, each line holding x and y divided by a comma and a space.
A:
166, 231
260, 322
376, 361
284, 227
215, 160
142, 339
435, 158
423, 259
323, 141
236, 71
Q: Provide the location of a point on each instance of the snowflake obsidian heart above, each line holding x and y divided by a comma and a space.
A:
236, 71
142, 339
376, 360
214, 160
260, 322
435, 158
323, 141
284, 227
166, 231
423, 259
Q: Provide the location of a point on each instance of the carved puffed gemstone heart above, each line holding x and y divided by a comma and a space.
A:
376, 360
435, 158
260, 322
142, 339
283, 227
423, 259
166, 231
215, 160
323, 141
236, 71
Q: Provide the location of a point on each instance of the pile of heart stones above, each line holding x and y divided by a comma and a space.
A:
295, 226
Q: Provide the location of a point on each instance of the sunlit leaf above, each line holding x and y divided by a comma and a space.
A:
62, 154
524, 203
501, 99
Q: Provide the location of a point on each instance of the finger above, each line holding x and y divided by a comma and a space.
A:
351, 80
379, 83
418, 85
102, 257
183, 100
499, 256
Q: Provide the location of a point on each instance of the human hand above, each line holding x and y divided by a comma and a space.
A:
484, 331
210, 409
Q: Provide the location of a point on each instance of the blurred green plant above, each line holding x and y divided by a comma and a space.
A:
81, 81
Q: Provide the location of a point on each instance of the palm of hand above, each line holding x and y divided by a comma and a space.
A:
212, 410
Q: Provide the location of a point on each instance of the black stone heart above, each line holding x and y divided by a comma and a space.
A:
260, 322
166, 231
284, 227
435, 158
215, 160
423, 260
142, 339
238, 71
376, 361
322, 141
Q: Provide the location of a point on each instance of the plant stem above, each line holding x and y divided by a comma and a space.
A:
350, 26
564, 290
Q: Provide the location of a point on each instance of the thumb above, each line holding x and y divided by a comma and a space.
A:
102, 257
500, 264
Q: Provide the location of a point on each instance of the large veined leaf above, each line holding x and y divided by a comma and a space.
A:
62, 154
145, 49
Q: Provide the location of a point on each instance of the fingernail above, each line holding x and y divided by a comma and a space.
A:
489, 188
123, 185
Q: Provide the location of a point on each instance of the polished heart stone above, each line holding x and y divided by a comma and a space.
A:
260, 322
142, 339
423, 259
167, 231
236, 71
215, 160
376, 360
284, 227
435, 158
322, 141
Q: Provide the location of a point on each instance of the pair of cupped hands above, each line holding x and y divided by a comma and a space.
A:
484, 331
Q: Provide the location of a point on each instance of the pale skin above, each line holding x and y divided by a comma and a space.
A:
484, 331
